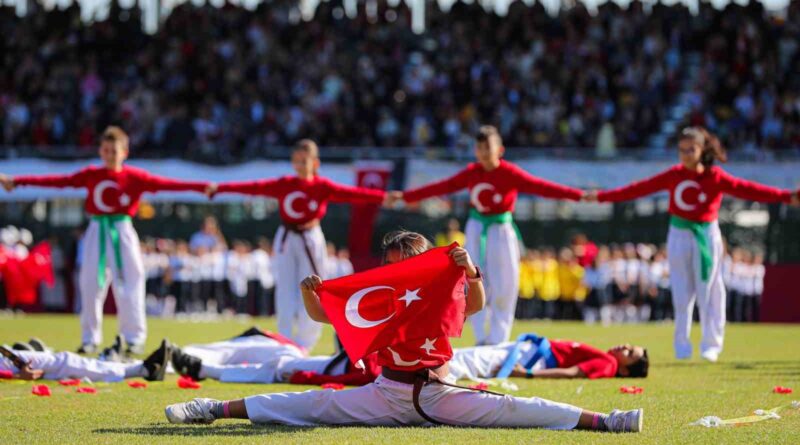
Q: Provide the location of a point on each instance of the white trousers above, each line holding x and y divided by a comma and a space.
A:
688, 287
291, 267
501, 279
389, 403
128, 285
66, 365
251, 359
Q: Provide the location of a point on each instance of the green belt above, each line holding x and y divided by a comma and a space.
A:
698, 229
108, 228
488, 221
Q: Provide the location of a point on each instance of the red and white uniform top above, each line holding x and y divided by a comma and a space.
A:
112, 192
416, 354
696, 196
300, 200
593, 362
494, 192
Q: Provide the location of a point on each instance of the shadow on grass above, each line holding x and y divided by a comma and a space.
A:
235, 429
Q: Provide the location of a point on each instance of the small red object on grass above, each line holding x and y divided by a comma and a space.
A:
69, 382
41, 390
188, 383
631, 390
85, 390
6, 374
782, 390
482, 386
333, 386
137, 384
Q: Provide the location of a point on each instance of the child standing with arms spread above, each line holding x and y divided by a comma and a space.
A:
110, 242
300, 248
492, 237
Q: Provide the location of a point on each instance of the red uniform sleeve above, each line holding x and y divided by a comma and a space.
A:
77, 179
637, 189
155, 183
753, 191
443, 187
527, 183
344, 193
262, 187
598, 368
353, 378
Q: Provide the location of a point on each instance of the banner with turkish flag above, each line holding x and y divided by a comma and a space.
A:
422, 296
373, 175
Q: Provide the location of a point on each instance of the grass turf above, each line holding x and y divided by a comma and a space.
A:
756, 358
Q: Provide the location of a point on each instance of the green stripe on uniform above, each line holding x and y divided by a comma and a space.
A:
698, 229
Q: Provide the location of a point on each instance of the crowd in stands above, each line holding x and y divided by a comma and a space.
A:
222, 84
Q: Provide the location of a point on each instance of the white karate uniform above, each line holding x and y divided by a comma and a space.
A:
483, 362
251, 359
66, 365
501, 279
128, 285
687, 286
291, 267
389, 403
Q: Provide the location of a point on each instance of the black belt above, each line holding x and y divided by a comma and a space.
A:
338, 358
422, 377
300, 230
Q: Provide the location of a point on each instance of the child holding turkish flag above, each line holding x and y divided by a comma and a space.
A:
413, 349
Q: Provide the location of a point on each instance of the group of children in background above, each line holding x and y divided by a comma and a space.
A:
623, 283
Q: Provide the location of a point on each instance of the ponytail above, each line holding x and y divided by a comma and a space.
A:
712, 146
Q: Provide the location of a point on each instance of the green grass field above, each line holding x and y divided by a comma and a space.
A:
756, 359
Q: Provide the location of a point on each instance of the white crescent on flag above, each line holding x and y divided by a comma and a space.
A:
351, 309
97, 195
399, 360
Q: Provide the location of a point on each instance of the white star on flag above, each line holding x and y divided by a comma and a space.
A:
410, 296
428, 345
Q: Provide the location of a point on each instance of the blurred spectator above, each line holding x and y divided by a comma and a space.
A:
209, 237
570, 281
452, 234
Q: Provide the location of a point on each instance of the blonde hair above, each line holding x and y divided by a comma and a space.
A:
115, 135
489, 133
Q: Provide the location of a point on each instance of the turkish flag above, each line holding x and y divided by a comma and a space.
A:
22, 277
420, 297
372, 175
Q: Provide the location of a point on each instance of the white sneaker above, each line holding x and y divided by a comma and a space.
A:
711, 356
625, 421
196, 411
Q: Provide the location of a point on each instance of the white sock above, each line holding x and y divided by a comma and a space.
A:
136, 370
211, 371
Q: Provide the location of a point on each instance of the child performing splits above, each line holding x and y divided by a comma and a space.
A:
398, 397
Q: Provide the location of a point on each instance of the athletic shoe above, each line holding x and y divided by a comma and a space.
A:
19, 346
625, 421
711, 356
186, 364
251, 332
155, 365
87, 348
113, 353
196, 411
135, 349
38, 345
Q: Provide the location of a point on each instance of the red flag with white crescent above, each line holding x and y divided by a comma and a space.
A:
420, 297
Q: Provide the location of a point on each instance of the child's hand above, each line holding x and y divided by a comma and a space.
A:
589, 196
392, 198
461, 257
795, 198
27, 373
7, 182
211, 189
310, 283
